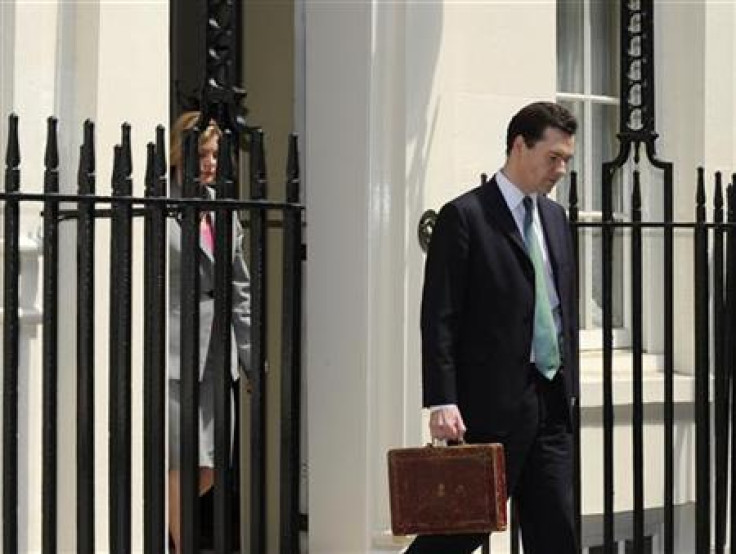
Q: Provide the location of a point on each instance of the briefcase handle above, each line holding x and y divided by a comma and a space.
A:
439, 443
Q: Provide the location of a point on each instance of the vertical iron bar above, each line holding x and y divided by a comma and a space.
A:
114, 467
50, 337
85, 345
258, 347
149, 491
721, 386
669, 366
702, 407
222, 336
120, 351
669, 370
291, 378
155, 371
731, 333
159, 346
637, 351
11, 330
573, 215
190, 367
607, 230
608, 421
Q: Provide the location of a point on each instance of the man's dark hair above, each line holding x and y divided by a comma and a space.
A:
532, 120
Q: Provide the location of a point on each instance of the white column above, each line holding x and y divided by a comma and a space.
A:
338, 299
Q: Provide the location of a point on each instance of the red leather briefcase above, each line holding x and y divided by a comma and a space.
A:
447, 490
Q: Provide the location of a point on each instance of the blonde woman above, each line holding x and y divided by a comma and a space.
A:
240, 329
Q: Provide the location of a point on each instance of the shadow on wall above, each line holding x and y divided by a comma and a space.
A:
425, 23
424, 34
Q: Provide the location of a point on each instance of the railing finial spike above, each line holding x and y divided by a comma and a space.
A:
117, 170
293, 171
636, 192
700, 197
12, 153
258, 165
150, 176
262, 173
89, 146
573, 192
126, 153
160, 162
51, 156
160, 150
718, 194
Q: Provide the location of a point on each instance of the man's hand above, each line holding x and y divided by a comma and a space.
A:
446, 423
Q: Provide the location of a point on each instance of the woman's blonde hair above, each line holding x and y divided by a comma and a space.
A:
184, 123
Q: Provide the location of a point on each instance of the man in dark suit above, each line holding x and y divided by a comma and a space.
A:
499, 330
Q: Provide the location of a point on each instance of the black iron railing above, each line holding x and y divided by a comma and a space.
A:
713, 281
155, 207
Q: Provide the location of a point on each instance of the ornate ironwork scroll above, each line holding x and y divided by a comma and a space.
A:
221, 97
637, 127
637, 69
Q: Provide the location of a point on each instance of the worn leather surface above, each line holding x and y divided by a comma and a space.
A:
447, 490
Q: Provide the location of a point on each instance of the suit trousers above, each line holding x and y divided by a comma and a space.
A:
539, 461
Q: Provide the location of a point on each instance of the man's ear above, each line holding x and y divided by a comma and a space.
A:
518, 144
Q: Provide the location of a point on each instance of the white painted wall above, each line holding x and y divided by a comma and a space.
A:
107, 61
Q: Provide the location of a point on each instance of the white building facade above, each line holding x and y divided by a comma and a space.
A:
401, 106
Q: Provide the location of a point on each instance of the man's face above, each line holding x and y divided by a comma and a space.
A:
545, 163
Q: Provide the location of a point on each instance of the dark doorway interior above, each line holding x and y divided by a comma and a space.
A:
188, 73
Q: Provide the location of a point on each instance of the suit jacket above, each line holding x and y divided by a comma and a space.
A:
478, 308
240, 327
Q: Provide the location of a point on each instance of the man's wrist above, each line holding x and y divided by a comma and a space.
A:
441, 406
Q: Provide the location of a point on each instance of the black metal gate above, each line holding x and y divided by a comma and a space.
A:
714, 333
155, 207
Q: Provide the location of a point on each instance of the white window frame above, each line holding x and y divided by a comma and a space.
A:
591, 337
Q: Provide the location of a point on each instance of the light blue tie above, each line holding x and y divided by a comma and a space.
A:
545, 343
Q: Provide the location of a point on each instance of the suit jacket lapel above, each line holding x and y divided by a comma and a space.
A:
496, 207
